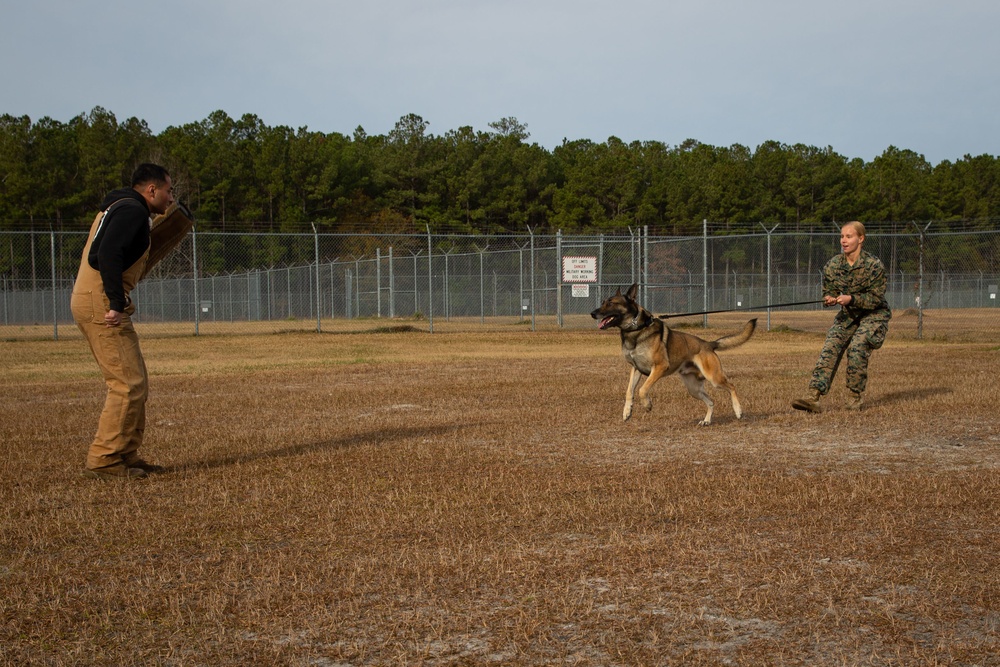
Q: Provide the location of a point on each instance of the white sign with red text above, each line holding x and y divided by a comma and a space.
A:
579, 269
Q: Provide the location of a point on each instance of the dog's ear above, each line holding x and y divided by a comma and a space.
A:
633, 291
619, 292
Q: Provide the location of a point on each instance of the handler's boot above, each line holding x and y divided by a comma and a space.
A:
855, 401
117, 471
145, 466
810, 403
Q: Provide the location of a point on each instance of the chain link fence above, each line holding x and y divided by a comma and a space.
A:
267, 282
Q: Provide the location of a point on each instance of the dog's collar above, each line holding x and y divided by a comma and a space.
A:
634, 325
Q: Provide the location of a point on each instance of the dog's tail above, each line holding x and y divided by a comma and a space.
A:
736, 339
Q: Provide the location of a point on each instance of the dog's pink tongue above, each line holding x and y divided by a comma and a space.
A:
604, 323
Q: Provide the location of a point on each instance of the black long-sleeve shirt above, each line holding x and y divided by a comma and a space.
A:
121, 240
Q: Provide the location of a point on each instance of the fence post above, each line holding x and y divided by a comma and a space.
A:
600, 272
52, 262
531, 276
52, 273
430, 282
416, 295
270, 294
392, 287
704, 270
632, 253
347, 294
378, 280
319, 297
194, 273
520, 283
559, 276
920, 279
356, 295
644, 254
920, 288
482, 287
34, 267
769, 299
446, 287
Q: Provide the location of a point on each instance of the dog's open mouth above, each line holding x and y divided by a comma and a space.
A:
607, 322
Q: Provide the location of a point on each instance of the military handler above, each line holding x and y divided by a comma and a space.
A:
855, 281
114, 259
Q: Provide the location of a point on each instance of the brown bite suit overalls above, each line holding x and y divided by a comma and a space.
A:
116, 349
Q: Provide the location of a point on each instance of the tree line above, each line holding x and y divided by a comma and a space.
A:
242, 175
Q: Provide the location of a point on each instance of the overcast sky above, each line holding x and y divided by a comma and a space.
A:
856, 75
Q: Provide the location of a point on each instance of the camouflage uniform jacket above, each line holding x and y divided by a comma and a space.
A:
865, 282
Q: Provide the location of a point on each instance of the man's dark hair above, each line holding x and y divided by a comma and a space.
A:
147, 172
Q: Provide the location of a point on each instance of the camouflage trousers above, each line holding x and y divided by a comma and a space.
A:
858, 338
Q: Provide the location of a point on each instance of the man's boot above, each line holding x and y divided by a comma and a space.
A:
810, 403
855, 401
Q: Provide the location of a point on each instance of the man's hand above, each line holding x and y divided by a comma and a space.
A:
842, 300
112, 318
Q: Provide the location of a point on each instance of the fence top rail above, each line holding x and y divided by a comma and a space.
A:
567, 239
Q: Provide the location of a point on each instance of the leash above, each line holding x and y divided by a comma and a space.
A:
734, 310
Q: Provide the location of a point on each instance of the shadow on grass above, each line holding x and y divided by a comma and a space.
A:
353, 440
914, 394
827, 403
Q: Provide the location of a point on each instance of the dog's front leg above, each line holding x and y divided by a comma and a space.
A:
655, 374
633, 380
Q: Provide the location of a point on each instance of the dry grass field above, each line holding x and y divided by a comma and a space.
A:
393, 497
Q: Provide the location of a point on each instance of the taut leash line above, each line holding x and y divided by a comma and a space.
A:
734, 310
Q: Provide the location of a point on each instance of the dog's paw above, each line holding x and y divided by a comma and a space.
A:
705, 422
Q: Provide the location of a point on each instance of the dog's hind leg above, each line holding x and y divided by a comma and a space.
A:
737, 408
633, 380
695, 383
717, 377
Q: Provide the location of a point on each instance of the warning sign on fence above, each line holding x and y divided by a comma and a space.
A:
579, 269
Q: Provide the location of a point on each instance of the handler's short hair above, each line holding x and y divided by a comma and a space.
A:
149, 172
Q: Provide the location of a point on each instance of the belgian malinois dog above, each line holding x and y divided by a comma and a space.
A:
654, 350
